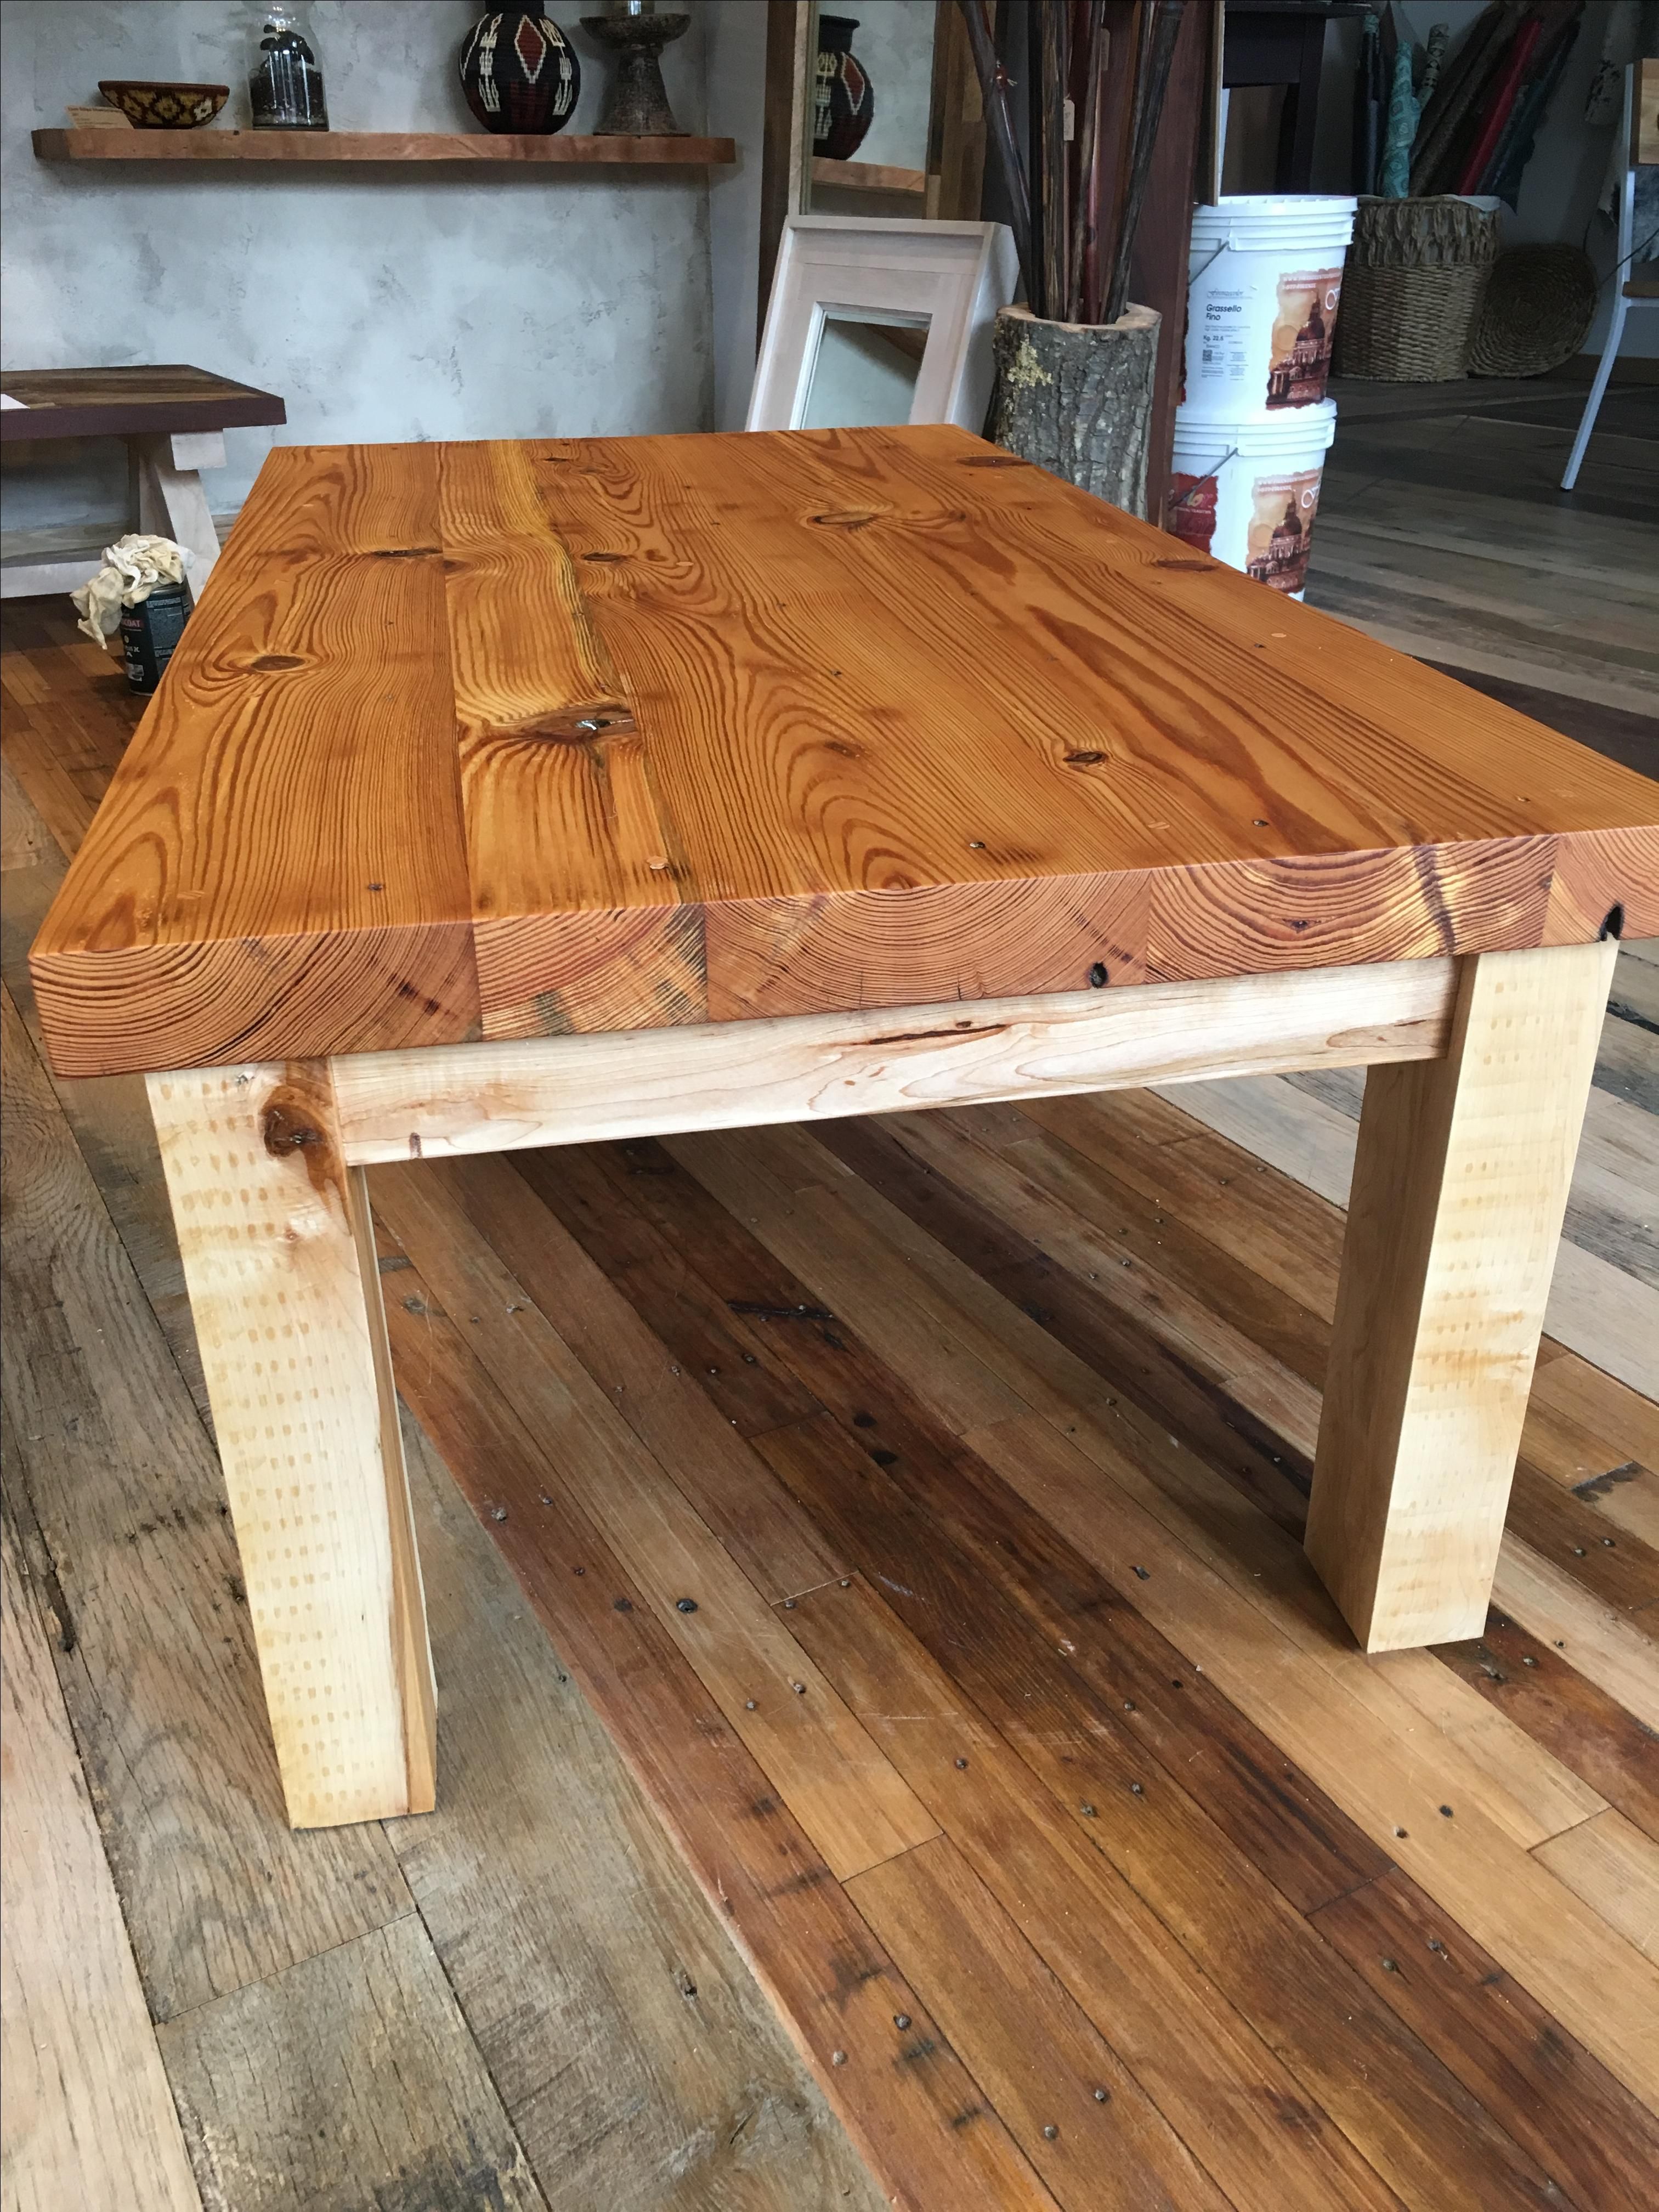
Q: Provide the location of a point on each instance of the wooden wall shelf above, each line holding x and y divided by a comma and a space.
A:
867, 176
480, 148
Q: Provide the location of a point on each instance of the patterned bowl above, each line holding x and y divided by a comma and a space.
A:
166, 107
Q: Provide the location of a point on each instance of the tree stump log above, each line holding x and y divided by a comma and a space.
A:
1077, 399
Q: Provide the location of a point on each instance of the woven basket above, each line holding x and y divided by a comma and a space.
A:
1536, 314
1417, 271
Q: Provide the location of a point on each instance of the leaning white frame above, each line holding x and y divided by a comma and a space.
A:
957, 274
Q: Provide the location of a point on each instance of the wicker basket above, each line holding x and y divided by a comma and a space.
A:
1417, 271
1536, 314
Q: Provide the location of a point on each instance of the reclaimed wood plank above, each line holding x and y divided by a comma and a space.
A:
348, 2078
280, 856
1082, 2117
1598, 2142
1114, 1955
923, 2125
132, 1513
469, 149
836, 1782
1615, 1868
88, 2115
1532, 1679
1044, 1683
1615, 1649
641, 1082
663, 1398
637, 2057
840, 767
1394, 1787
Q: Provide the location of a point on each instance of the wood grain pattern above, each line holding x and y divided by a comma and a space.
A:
279, 1257
130, 1524
474, 1098
509, 148
88, 2118
923, 2125
114, 403
1460, 1186
328, 900
835, 1781
517, 740
1611, 1864
371, 2035
1588, 2132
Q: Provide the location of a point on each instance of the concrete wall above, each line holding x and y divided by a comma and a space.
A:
894, 40
734, 44
381, 303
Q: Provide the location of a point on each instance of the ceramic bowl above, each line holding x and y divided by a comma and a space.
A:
166, 107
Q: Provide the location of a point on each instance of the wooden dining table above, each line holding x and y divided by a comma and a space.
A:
508, 794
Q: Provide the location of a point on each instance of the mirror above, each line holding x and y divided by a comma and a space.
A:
873, 109
872, 101
865, 367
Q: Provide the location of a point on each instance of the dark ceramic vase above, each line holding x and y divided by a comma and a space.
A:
843, 106
520, 73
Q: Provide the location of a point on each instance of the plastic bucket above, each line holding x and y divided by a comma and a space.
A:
1247, 491
1264, 279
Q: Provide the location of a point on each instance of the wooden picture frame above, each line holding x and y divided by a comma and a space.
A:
947, 189
955, 274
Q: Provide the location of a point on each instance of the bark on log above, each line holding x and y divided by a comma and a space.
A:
1077, 399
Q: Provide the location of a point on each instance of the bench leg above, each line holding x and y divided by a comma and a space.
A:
172, 502
278, 1254
1459, 1190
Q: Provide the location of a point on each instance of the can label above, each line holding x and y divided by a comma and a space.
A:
1280, 529
1304, 329
149, 632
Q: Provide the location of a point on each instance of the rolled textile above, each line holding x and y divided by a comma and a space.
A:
1496, 113
1459, 90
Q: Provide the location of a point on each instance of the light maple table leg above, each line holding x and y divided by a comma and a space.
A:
278, 1253
1459, 1190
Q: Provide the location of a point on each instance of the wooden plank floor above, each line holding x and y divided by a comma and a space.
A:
866, 1594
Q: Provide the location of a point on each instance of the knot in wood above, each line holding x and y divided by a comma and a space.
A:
285, 1129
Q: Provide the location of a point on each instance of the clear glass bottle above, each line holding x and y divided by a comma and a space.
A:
287, 85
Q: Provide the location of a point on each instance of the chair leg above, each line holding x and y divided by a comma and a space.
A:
1593, 404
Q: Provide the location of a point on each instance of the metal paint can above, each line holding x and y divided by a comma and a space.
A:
150, 631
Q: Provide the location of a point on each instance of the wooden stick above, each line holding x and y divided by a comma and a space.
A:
1149, 106
994, 92
1052, 150
1086, 215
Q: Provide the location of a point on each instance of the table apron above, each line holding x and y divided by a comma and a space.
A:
449, 1099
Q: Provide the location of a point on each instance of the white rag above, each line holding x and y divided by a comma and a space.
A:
132, 568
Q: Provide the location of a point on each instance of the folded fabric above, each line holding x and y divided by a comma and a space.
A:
132, 568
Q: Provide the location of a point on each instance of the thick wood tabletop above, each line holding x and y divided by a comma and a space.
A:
506, 739
118, 403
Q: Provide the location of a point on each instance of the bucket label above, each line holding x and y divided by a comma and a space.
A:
1304, 328
1224, 339
1282, 510
1192, 501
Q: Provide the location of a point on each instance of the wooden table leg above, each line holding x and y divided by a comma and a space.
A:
1459, 1191
278, 1252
